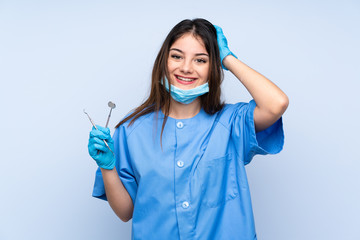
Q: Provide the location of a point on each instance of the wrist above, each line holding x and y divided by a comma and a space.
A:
109, 165
228, 60
105, 170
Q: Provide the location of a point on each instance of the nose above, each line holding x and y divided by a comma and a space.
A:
186, 66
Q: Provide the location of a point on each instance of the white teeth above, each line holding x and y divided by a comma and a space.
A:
185, 79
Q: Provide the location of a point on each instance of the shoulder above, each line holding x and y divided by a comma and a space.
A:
231, 111
128, 127
231, 107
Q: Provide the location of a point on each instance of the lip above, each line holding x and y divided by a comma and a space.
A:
184, 82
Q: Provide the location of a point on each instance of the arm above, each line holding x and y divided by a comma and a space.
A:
117, 195
271, 102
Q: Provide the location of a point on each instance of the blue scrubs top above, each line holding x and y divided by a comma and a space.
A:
196, 187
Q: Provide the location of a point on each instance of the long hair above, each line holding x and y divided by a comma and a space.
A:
159, 98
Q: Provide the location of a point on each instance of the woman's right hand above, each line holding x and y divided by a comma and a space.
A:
98, 150
223, 45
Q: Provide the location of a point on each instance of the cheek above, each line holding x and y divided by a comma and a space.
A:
205, 72
171, 66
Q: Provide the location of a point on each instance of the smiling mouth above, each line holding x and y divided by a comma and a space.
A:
185, 79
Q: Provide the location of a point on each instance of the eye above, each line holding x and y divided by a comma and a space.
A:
201, 60
175, 56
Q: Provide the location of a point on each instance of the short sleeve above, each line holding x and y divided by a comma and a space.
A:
123, 167
268, 141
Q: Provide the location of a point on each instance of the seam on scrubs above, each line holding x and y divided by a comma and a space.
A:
138, 123
253, 139
236, 149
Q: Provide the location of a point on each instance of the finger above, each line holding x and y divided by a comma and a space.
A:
95, 149
92, 151
96, 140
101, 147
99, 142
218, 29
110, 141
104, 130
99, 134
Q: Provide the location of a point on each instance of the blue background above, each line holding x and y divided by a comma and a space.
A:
59, 57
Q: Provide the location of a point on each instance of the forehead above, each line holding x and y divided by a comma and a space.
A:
189, 43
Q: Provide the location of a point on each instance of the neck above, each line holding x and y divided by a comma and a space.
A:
183, 111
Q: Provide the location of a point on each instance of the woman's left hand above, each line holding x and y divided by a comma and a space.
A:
223, 45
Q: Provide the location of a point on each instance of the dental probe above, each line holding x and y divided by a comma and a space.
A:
97, 129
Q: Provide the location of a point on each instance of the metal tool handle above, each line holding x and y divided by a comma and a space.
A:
105, 144
98, 129
107, 122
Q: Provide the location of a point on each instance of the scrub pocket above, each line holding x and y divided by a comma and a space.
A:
218, 181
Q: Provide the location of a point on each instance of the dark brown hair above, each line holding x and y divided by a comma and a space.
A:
159, 98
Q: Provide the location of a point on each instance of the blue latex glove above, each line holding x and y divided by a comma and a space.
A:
98, 150
223, 45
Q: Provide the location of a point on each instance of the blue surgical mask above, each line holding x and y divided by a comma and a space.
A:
186, 96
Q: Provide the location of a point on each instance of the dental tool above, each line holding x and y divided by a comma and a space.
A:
97, 129
112, 106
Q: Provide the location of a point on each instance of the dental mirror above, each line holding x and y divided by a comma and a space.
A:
112, 106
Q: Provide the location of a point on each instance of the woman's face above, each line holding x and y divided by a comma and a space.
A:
188, 62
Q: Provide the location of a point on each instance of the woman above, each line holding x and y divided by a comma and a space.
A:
188, 181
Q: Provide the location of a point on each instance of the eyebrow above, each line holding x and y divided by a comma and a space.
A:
197, 54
